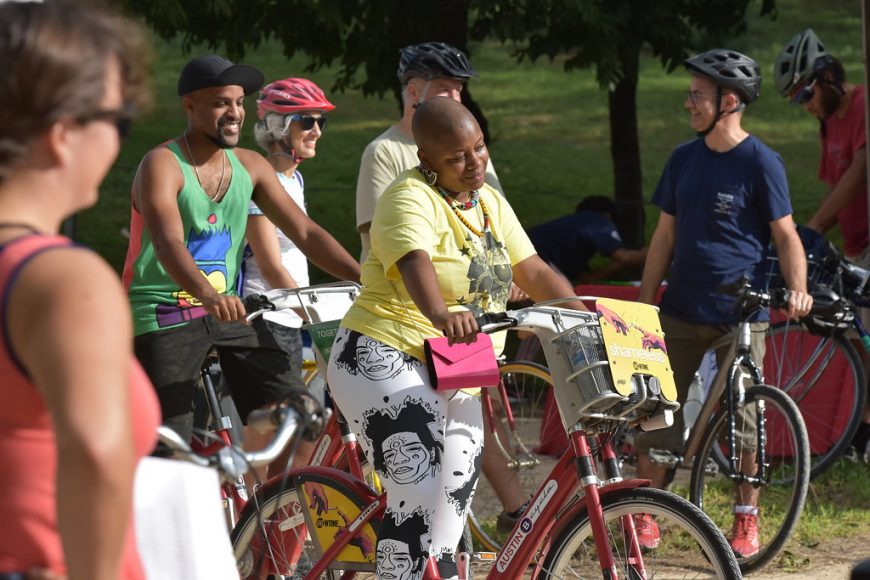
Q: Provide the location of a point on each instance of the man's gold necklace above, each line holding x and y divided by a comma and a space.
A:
196, 171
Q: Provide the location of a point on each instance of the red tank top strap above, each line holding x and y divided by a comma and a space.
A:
14, 256
15, 253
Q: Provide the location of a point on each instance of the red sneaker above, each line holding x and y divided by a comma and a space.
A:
648, 535
744, 535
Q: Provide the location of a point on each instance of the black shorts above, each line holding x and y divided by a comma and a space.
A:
255, 366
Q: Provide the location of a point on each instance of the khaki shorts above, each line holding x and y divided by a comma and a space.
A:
687, 343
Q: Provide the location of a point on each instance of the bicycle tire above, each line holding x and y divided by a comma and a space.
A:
784, 492
825, 377
260, 538
526, 384
690, 542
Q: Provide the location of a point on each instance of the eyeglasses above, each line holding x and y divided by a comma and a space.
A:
805, 93
122, 118
307, 121
696, 96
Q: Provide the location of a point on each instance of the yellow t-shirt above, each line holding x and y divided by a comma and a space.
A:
473, 273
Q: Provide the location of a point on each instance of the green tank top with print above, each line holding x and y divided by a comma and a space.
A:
214, 233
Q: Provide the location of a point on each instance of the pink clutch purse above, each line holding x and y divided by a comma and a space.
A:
461, 366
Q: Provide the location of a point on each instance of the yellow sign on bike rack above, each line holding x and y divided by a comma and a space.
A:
635, 344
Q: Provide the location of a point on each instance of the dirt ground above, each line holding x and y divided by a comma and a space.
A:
831, 559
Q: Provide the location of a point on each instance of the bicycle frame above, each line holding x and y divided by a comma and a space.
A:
528, 460
234, 494
727, 383
573, 485
556, 500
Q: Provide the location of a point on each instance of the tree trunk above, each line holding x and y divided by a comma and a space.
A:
625, 151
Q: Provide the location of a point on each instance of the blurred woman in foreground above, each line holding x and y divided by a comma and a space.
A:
69, 437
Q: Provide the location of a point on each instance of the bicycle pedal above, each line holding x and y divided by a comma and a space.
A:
711, 467
486, 557
665, 458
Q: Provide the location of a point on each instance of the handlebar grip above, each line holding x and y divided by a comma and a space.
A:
490, 322
266, 419
779, 298
257, 303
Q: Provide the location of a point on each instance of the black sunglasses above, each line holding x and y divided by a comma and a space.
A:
805, 93
122, 118
307, 121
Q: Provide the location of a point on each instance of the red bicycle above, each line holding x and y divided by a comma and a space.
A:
322, 522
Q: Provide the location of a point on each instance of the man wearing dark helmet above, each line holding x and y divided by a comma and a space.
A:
809, 76
722, 197
426, 70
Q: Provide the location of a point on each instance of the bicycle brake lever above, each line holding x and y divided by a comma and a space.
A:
230, 462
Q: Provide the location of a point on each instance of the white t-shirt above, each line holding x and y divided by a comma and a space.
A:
292, 258
391, 153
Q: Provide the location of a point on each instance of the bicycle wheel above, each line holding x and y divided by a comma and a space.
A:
691, 546
825, 377
272, 537
526, 385
784, 486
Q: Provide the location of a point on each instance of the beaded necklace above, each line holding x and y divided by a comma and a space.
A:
473, 200
471, 228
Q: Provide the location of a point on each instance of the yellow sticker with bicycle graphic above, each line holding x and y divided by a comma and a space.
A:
331, 512
635, 344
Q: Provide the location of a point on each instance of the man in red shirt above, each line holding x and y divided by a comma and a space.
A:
806, 74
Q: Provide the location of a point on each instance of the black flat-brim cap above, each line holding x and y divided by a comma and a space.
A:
216, 71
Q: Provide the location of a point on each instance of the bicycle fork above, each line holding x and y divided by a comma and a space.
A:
589, 480
736, 400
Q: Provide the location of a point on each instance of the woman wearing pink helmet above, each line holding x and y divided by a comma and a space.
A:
291, 113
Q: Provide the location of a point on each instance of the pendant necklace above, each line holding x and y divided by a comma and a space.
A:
196, 171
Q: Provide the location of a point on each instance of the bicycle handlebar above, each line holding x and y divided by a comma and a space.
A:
312, 303
291, 417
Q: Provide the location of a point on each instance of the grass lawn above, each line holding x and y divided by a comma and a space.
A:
550, 146
550, 135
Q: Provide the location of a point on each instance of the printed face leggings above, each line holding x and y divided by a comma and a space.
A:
424, 445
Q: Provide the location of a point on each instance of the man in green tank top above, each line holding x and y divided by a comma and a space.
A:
190, 201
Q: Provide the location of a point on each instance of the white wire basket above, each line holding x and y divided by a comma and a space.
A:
577, 359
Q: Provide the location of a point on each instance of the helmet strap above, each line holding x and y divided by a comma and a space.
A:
287, 151
719, 114
715, 120
424, 91
836, 85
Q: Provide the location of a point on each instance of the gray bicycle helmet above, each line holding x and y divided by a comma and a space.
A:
729, 69
795, 63
430, 60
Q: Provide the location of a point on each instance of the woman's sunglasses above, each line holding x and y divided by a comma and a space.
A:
307, 122
122, 118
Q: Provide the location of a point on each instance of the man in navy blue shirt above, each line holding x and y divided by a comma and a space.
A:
722, 198
568, 243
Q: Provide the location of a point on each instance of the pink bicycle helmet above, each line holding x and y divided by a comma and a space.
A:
291, 95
